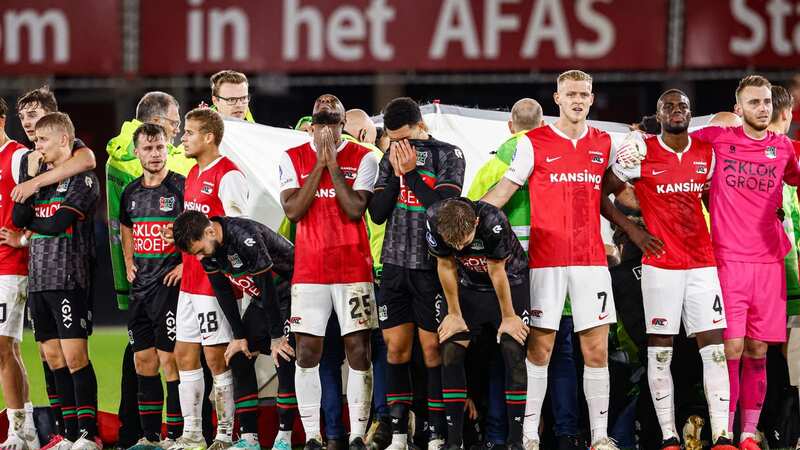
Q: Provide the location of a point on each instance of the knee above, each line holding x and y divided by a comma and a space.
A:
539, 352
358, 356
169, 366
186, 360
430, 353
76, 360
595, 352
734, 349
307, 355
397, 354
452, 354
6, 352
53, 356
146, 363
755, 349
216, 362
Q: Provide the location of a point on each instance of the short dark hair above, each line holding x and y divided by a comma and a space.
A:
781, 101
149, 130
226, 76
400, 112
455, 220
43, 97
211, 122
189, 227
153, 104
3, 107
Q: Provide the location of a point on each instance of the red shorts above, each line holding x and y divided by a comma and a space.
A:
755, 300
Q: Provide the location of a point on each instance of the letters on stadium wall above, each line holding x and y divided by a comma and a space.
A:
742, 33
397, 35
61, 37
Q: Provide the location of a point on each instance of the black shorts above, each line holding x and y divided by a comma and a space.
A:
482, 309
409, 295
59, 315
152, 320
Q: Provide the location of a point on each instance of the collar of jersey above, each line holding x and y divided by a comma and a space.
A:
561, 133
208, 167
669, 149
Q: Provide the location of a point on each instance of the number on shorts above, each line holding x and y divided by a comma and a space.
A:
208, 322
3, 313
717, 305
604, 297
359, 303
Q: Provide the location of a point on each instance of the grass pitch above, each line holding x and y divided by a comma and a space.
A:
106, 347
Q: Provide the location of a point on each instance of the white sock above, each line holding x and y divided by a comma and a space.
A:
359, 400
596, 387
29, 424
284, 435
659, 378
309, 395
400, 440
744, 436
537, 388
16, 420
717, 388
250, 438
190, 390
224, 405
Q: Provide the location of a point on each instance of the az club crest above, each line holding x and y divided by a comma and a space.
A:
207, 188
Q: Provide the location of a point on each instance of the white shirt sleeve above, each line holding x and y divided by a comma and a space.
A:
627, 174
367, 173
16, 158
233, 193
522, 163
287, 176
713, 164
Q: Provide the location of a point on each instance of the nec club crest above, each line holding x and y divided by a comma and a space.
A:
235, 261
166, 204
207, 188
771, 152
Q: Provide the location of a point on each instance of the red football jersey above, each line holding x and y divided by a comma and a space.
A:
201, 193
668, 186
330, 248
13, 261
564, 177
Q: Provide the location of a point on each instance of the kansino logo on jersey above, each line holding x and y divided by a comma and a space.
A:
147, 239
748, 175
195, 206
325, 193
672, 188
576, 177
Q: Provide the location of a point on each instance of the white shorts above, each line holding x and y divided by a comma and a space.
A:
589, 289
13, 294
353, 303
693, 295
201, 320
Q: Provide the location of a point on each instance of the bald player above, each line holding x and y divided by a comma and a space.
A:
359, 125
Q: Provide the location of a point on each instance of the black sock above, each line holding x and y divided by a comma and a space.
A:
516, 383
174, 416
436, 408
151, 405
287, 399
86, 400
454, 391
55, 399
398, 395
245, 393
66, 390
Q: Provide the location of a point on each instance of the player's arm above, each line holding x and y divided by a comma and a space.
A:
354, 200
296, 199
227, 302
387, 188
511, 323
81, 160
449, 180
453, 323
269, 303
516, 175
126, 237
791, 175
233, 193
612, 184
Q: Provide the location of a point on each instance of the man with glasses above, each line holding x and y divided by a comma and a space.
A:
229, 95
